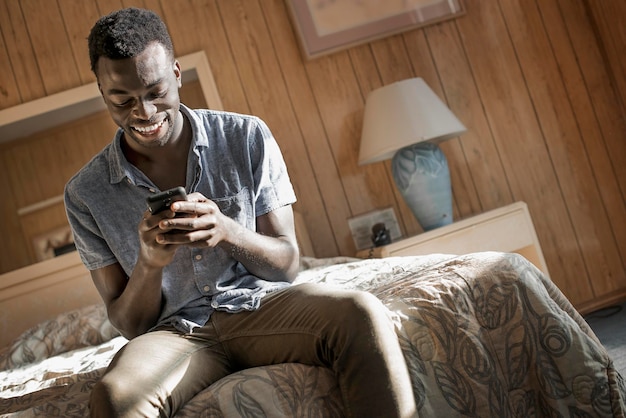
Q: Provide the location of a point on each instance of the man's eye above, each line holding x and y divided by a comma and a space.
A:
123, 103
159, 94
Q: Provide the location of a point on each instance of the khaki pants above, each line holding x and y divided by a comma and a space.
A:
157, 373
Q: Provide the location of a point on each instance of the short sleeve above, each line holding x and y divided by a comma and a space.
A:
92, 248
273, 188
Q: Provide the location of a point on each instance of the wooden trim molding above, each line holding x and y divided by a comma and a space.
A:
40, 205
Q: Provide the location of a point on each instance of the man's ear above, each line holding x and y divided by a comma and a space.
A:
179, 74
102, 93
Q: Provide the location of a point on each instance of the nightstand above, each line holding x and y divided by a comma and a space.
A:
507, 229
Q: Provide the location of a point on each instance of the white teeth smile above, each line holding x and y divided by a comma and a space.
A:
151, 128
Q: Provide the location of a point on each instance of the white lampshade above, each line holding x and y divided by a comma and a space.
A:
401, 114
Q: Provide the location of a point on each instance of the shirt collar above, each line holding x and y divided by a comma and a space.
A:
199, 129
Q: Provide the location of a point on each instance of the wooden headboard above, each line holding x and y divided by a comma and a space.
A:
41, 291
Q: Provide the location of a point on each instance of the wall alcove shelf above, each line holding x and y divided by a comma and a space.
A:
46, 140
50, 111
38, 115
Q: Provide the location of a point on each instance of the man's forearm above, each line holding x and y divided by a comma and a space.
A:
270, 258
138, 308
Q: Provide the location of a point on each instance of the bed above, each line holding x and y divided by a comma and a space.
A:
484, 335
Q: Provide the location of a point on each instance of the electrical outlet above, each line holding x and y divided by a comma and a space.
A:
361, 227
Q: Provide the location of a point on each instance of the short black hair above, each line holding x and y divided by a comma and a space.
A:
126, 33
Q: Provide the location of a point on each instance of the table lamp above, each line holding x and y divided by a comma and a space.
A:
405, 121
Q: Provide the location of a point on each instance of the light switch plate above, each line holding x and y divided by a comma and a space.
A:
361, 227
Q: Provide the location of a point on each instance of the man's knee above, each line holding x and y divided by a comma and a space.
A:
101, 400
347, 306
362, 310
115, 397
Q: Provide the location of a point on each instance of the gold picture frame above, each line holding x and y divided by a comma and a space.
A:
327, 26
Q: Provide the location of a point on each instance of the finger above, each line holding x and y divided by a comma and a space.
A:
150, 221
174, 237
204, 240
196, 208
145, 223
162, 239
193, 238
197, 197
181, 223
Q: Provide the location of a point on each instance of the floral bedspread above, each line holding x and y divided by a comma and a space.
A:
484, 335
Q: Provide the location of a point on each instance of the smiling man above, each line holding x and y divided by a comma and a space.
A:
204, 288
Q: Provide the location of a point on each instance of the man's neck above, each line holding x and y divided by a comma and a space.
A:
166, 166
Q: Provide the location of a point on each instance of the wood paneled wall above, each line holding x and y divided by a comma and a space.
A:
539, 84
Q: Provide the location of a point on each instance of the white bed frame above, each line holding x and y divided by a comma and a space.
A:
43, 290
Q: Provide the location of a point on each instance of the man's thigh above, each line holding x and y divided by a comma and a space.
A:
167, 367
297, 324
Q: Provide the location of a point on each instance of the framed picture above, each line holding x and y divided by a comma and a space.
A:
53, 243
326, 26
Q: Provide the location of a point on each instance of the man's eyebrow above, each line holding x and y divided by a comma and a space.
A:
123, 92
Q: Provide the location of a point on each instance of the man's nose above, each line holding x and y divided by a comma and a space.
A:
144, 109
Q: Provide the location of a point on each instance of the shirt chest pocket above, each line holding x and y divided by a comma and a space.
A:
237, 207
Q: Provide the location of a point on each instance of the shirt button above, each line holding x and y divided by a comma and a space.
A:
214, 304
198, 257
206, 288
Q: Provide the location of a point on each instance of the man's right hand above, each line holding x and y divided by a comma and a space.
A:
153, 250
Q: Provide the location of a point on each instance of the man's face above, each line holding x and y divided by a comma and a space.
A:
141, 94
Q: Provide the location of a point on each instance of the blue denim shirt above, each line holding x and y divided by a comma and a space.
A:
235, 161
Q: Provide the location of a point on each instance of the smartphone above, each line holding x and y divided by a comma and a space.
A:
158, 202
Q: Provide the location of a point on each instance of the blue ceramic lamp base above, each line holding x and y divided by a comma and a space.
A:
422, 176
